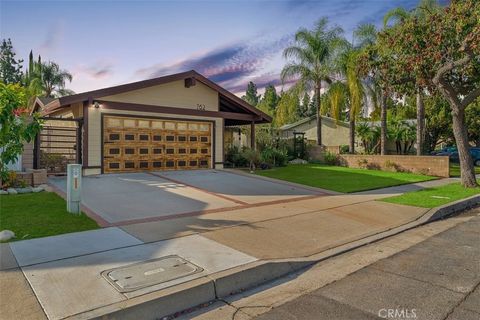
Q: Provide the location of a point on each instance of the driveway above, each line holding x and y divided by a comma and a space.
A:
140, 197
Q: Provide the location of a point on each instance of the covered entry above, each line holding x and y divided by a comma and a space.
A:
139, 144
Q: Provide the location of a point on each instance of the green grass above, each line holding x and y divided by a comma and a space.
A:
35, 215
341, 179
455, 170
434, 197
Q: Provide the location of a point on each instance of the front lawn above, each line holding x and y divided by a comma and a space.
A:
341, 179
434, 197
35, 215
455, 170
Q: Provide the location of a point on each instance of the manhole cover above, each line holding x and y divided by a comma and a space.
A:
149, 273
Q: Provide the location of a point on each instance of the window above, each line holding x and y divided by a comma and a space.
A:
170, 138
143, 150
157, 151
114, 165
193, 163
203, 163
129, 165
114, 151
157, 164
129, 151
129, 137
181, 138
182, 151
170, 151
182, 163
204, 151
193, 139
170, 164
157, 137
114, 136
144, 137
193, 151
203, 139
143, 164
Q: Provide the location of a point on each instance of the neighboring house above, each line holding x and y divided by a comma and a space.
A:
334, 133
172, 122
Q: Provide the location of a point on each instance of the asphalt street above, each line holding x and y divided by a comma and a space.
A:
436, 279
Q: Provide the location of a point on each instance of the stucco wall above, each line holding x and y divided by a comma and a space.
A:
95, 134
173, 94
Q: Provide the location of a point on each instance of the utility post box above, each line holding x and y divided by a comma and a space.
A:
74, 187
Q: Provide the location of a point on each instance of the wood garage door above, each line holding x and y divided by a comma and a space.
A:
141, 144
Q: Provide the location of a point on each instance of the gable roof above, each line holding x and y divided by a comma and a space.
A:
91, 95
293, 125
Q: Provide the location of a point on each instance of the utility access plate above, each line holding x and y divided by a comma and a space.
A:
148, 273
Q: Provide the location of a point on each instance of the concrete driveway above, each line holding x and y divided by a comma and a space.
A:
127, 198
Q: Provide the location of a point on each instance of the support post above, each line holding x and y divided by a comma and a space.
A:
252, 135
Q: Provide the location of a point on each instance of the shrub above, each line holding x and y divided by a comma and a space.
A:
274, 157
253, 157
344, 149
235, 158
330, 158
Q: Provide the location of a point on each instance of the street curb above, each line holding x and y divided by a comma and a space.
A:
453, 207
198, 292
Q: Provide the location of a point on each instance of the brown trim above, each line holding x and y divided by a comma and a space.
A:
171, 110
85, 135
93, 167
223, 141
103, 114
64, 101
252, 135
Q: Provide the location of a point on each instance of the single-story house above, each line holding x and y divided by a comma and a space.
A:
171, 122
334, 133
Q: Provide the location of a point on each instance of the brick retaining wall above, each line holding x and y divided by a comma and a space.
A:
430, 165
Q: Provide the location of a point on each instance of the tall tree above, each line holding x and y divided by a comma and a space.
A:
303, 111
441, 52
251, 95
53, 80
269, 101
312, 60
10, 67
287, 108
400, 15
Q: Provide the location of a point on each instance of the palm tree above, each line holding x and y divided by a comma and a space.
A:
354, 87
53, 80
424, 8
312, 61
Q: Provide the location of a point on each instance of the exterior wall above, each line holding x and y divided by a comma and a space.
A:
73, 111
27, 156
431, 165
173, 94
333, 134
95, 134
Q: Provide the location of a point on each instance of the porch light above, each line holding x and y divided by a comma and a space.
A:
96, 105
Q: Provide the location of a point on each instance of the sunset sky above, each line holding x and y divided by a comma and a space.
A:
104, 43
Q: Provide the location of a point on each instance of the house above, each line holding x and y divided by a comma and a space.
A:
171, 122
334, 133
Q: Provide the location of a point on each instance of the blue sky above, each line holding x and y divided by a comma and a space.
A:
104, 43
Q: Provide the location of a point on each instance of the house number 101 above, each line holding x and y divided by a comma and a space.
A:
200, 107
